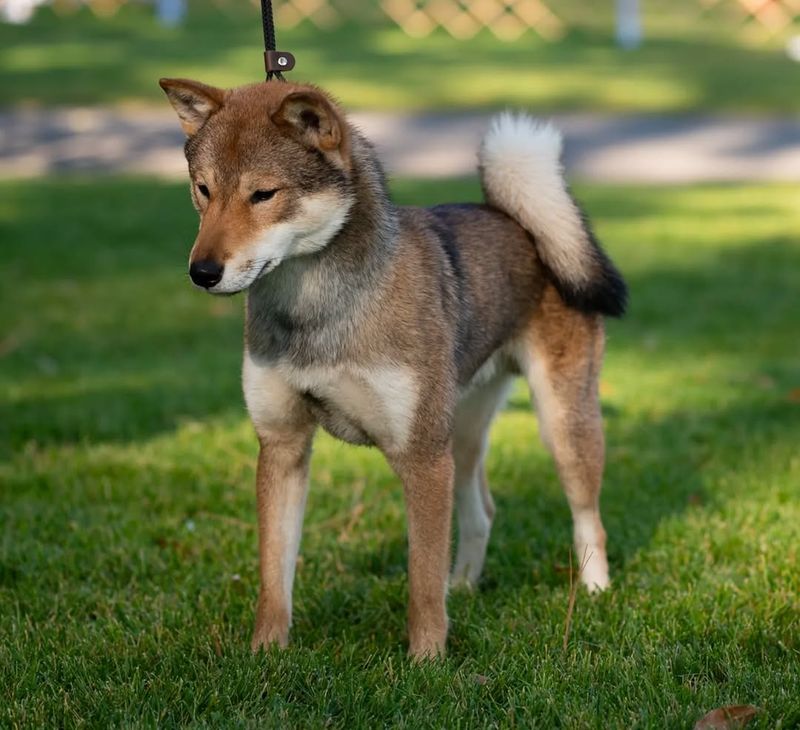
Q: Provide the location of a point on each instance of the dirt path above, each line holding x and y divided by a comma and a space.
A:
603, 148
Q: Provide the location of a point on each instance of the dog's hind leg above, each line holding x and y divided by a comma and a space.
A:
562, 359
474, 504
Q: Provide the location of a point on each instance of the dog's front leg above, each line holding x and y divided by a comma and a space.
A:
282, 485
428, 485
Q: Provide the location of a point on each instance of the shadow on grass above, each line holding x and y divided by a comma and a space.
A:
170, 386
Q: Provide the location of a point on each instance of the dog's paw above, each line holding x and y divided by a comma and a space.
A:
597, 588
462, 583
266, 639
426, 649
595, 573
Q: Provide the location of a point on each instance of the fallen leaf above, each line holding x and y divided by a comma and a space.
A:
727, 718
794, 395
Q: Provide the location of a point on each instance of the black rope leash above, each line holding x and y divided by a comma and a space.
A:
275, 62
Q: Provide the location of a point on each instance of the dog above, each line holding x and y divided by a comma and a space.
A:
397, 327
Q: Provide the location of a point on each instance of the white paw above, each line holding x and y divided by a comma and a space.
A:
461, 583
595, 571
469, 562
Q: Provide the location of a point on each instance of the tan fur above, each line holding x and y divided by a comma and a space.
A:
428, 486
393, 327
565, 349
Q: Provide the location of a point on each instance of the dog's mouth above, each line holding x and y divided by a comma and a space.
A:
244, 279
268, 266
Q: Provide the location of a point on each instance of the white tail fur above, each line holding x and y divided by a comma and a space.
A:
522, 175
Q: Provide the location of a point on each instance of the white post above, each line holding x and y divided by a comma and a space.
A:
171, 12
629, 24
18, 11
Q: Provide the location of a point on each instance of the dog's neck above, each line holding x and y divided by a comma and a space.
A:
310, 303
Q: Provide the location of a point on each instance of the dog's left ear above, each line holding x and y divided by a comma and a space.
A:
312, 120
194, 102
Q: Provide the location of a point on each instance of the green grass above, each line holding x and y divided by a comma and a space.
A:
128, 553
690, 62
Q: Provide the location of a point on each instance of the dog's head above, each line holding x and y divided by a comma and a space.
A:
271, 176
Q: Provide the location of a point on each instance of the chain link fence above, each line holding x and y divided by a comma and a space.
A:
506, 19
550, 19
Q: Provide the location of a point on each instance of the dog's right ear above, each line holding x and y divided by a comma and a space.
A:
194, 102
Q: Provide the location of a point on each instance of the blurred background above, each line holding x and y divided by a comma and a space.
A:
669, 91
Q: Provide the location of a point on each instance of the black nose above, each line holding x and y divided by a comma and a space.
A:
206, 273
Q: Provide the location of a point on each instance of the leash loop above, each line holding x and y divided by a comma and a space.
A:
275, 62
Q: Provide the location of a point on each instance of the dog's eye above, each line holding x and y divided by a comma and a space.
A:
203, 191
259, 196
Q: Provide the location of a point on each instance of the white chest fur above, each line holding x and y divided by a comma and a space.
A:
379, 400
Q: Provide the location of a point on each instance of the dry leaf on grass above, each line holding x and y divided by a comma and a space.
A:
727, 718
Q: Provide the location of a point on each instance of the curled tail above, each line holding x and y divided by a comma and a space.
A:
521, 173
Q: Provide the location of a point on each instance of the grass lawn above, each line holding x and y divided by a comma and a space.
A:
128, 564
691, 61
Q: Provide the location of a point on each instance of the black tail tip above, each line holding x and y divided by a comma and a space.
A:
606, 292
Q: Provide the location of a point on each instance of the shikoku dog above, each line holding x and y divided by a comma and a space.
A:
397, 327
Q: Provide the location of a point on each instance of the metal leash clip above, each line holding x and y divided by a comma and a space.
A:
278, 61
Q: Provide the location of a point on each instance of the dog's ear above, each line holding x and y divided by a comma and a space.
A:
312, 120
194, 102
